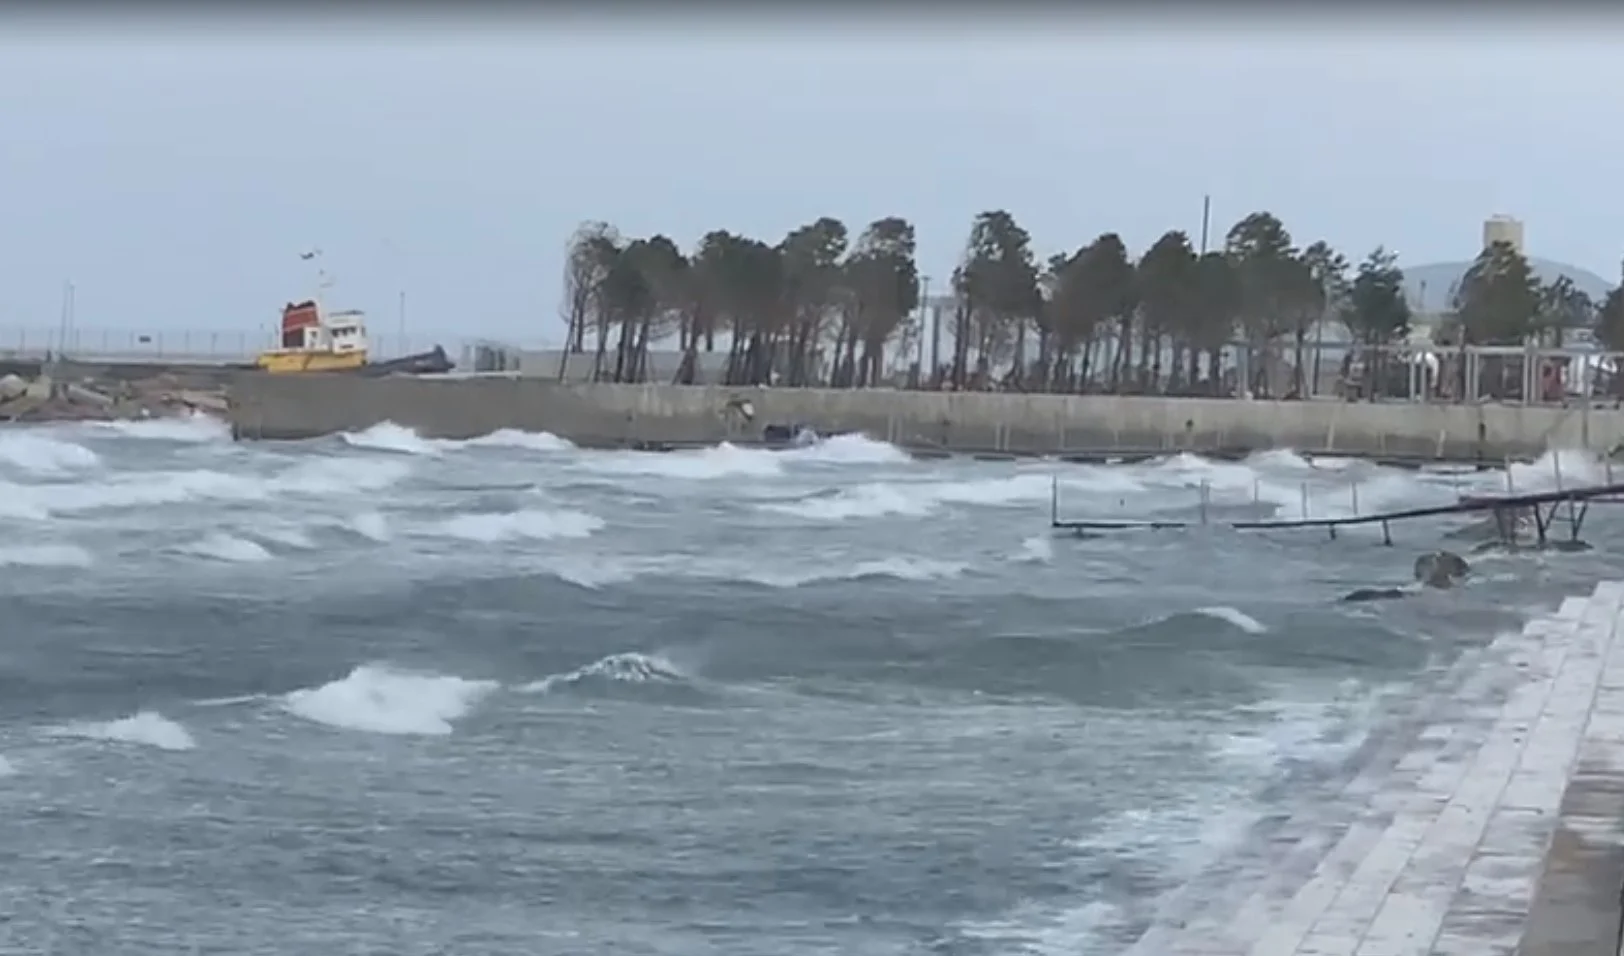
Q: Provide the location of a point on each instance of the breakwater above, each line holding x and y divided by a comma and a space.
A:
293, 407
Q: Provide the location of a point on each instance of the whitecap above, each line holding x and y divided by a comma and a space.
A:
379, 699
148, 728
525, 524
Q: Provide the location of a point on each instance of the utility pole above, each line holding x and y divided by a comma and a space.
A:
935, 332
1206, 220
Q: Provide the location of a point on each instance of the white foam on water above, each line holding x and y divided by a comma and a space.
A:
147, 728
628, 667
195, 428
332, 477
849, 449
6, 768
526, 524
369, 524
225, 547
898, 568
289, 536
526, 441
1037, 549
1235, 616
46, 556
914, 499
379, 699
38, 454
390, 437
700, 464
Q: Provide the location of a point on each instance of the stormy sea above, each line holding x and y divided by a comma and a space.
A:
379, 694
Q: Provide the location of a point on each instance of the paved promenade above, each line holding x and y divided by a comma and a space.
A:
1489, 823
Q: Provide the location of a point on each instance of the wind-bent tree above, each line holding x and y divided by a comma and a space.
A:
1498, 301
813, 289
884, 282
1376, 312
1216, 310
1610, 320
591, 251
1271, 286
997, 284
1562, 309
1328, 275
1167, 305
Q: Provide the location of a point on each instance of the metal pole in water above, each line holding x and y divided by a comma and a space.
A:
1206, 491
1353, 491
1556, 468
1054, 499
1305, 501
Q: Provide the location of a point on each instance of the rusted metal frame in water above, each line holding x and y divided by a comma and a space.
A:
1504, 508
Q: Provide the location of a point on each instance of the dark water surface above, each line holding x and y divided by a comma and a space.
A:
390, 696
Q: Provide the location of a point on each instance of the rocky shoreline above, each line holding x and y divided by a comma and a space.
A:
45, 398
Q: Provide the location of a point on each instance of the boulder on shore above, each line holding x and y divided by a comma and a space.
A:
1441, 569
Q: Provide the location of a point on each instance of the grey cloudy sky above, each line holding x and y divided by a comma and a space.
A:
174, 171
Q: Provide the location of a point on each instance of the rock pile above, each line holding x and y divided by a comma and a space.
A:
44, 399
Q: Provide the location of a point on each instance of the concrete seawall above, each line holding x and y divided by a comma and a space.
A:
291, 407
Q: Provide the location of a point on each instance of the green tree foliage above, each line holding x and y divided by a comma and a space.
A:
1498, 302
1562, 309
997, 283
1376, 312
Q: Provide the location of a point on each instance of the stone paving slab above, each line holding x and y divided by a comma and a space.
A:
1497, 828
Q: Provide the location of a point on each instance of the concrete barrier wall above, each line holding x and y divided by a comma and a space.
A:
284, 407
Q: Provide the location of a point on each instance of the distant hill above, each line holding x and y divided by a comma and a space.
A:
1439, 279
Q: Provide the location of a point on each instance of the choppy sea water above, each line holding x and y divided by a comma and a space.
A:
378, 694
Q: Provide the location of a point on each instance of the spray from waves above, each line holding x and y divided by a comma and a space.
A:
381, 700
148, 728
46, 556
6, 769
225, 547
530, 524
40, 455
625, 668
193, 429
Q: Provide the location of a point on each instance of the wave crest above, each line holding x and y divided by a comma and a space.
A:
381, 700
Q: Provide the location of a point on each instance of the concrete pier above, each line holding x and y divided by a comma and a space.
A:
1491, 823
304, 406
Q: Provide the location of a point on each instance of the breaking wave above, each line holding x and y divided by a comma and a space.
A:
190, 429
598, 571
225, 547
46, 556
1239, 618
624, 668
381, 700
529, 524
527, 441
148, 728
37, 454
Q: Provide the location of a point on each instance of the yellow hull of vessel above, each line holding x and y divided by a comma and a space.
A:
294, 361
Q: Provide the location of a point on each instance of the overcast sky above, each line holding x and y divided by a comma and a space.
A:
173, 172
